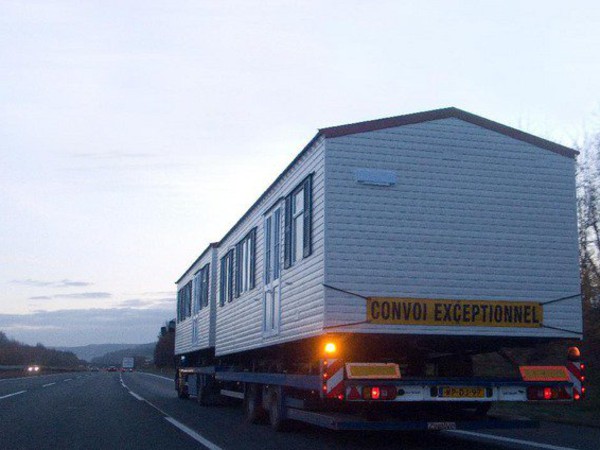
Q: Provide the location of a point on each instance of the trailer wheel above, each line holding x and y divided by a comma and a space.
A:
202, 391
182, 391
277, 418
253, 408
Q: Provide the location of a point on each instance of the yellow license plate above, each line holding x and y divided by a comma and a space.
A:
463, 392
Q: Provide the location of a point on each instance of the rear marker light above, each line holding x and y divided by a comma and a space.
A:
547, 393
375, 393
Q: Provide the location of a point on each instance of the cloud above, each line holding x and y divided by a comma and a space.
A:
113, 155
163, 303
40, 297
60, 283
86, 326
84, 295
33, 283
68, 283
135, 302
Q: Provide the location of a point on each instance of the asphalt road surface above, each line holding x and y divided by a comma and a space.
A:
142, 411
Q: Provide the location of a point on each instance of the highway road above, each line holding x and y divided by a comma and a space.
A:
141, 411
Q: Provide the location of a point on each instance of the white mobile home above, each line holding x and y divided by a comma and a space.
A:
435, 223
196, 307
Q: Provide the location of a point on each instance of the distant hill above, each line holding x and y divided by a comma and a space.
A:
89, 352
139, 352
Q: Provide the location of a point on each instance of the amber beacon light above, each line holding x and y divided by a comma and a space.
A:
330, 348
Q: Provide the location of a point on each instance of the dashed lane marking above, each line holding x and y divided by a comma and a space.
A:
508, 440
137, 396
49, 384
68, 379
193, 434
208, 444
13, 394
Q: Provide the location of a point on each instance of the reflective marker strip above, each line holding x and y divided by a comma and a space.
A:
10, 395
574, 369
193, 434
511, 440
334, 383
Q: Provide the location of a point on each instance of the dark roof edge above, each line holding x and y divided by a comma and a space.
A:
211, 245
445, 113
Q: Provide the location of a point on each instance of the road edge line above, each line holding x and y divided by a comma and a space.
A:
506, 439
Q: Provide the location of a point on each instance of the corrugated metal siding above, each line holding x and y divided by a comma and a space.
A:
474, 215
205, 318
239, 323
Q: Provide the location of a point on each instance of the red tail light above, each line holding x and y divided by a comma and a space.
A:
379, 392
548, 393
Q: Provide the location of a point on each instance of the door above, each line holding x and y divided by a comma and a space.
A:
272, 284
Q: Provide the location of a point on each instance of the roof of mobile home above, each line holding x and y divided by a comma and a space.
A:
408, 119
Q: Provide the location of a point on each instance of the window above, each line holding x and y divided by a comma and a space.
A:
179, 305
196, 305
188, 299
226, 285
272, 246
201, 289
184, 302
245, 259
298, 223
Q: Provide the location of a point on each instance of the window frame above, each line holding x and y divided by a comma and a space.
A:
245, 263
226, 278
291, 256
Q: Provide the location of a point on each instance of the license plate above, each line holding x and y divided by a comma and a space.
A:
462, 392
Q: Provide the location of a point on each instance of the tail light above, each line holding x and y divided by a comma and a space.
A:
379, 392
547, 393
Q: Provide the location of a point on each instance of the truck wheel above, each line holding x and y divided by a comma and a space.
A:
205, 390
182, 388
253, 408
277, 410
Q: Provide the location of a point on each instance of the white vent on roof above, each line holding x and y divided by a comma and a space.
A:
376, 177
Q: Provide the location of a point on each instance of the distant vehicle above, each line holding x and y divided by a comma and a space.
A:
128, 364
94, 369
33, 369
112, 369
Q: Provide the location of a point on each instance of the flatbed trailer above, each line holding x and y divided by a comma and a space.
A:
402, 404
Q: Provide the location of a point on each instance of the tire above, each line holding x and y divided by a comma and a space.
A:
277, 418
182, 388
253, 408
205, 394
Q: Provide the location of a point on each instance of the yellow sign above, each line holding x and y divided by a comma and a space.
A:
384, 371
467, 313
544, 373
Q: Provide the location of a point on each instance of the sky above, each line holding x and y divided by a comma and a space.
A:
133, 133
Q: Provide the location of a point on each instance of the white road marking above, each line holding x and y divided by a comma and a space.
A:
208, 444
68, 379
10, 395
136, 396
506, 439
49, 384
157, 376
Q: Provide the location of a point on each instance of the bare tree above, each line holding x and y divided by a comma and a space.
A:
588, 205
